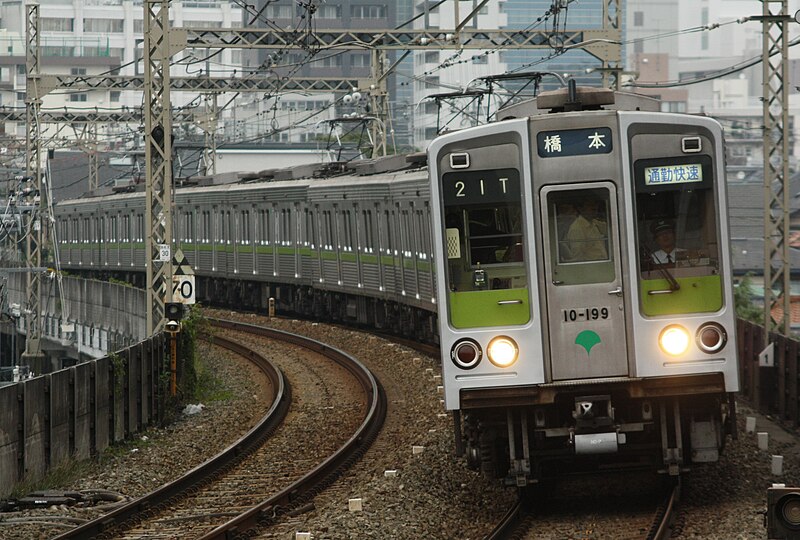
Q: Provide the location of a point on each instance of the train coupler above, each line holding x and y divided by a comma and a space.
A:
518, 449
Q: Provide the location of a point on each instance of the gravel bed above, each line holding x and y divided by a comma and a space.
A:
726, 500
326, 409
431, 494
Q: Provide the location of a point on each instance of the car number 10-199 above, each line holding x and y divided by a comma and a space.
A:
585, 314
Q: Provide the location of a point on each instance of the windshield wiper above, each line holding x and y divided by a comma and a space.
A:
664, 271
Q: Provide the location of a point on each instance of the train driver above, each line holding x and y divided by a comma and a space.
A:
664, 236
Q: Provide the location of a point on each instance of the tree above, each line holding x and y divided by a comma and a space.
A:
743, 300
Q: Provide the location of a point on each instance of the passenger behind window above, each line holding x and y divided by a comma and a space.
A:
586, 238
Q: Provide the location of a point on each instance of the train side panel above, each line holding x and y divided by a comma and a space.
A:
487, 278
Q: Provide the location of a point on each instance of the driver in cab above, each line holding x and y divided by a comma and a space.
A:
664, 236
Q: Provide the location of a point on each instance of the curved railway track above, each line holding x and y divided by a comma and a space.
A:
520, 520
200, 482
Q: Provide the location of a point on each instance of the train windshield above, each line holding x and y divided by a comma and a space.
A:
677, 236
484, 230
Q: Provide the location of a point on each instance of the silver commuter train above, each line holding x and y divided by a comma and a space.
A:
586, 309
358, 247
354, 247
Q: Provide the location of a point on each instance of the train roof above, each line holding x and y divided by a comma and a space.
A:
579, 98
319, 181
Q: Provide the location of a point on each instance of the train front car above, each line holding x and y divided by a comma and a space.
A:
585, 296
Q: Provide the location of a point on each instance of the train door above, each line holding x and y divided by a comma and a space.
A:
584, 286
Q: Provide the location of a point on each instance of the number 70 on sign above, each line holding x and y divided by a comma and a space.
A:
183, 289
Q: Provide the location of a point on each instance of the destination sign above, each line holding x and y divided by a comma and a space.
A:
574, 142
673, 174
481, 187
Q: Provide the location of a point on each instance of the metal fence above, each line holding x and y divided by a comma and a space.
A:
79, 411
771, 390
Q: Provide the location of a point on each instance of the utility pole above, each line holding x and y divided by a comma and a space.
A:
34, 225
777, 196
208, 123
611, 53
379, 96
158, 161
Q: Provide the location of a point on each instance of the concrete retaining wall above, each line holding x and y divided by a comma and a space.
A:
107, 316
78, 411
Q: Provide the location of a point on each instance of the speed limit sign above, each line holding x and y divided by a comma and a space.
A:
183, 289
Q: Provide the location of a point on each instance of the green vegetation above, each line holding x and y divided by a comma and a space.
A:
192, 380
743, 300
120, 370
64, 474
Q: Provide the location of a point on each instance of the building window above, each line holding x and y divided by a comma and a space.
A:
82, 96
432, 82
47, 24
58, 51
328, 61
432, 57
77, 71
638, 18
114, 96
360, 59
202, 24
480, 59
279, 12
329, 12
103, 25
368, 12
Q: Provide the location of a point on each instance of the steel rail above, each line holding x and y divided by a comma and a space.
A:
510, 522
326, 472
664, 518
207, 470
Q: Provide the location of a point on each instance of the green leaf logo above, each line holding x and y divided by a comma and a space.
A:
587, 339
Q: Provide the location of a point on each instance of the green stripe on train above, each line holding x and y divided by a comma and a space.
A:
476, 309
696, 295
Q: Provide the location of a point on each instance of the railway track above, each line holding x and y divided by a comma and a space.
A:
522, 521
244, 485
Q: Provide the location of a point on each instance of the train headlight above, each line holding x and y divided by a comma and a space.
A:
674, 340
711, 338
502, 351
466, 353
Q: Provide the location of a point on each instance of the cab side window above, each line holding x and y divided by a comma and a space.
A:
484, 242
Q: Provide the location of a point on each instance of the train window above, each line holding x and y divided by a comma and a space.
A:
369, 234
679, 248
126, 229
140, 228
327, 229
388, 232
580, 236
484, 230
580, 225
405, 233
347, 226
